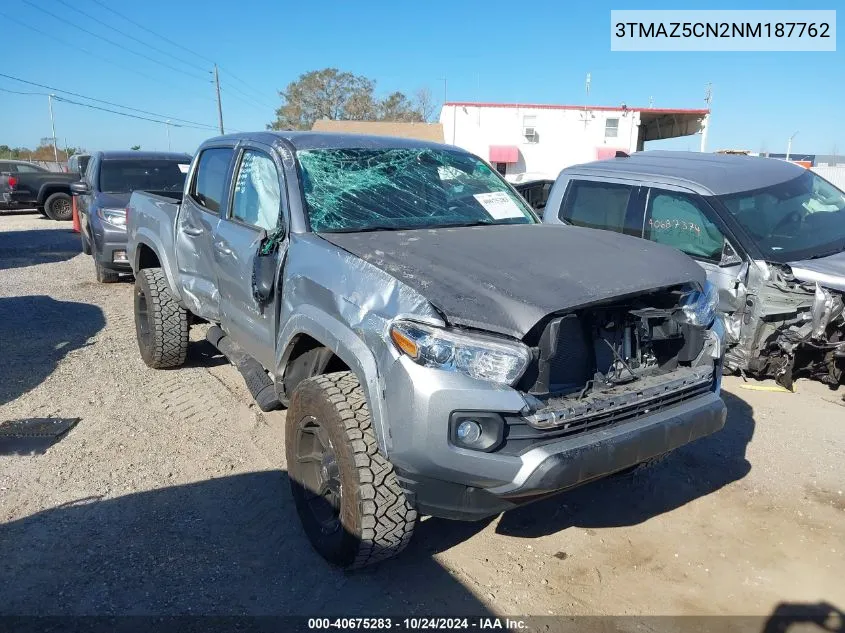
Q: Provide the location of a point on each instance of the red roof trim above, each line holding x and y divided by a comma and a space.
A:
544, 106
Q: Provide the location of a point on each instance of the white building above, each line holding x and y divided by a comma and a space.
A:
536, 141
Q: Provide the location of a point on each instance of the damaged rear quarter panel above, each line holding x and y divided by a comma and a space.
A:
346, 304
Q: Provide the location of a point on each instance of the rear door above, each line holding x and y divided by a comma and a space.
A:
256, 210
196, 223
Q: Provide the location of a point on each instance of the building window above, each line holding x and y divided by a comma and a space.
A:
502, 168
529, 129
611, 128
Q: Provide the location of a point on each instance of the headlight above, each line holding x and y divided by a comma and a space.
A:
699, 306
478, 356
117, 217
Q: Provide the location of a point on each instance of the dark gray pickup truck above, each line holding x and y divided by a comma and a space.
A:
26, 186
439, 350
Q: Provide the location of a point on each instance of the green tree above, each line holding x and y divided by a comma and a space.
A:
333, 94
135, 148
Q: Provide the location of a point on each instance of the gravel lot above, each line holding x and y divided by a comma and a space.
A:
169, 496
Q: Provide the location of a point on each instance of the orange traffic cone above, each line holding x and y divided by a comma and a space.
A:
76, 227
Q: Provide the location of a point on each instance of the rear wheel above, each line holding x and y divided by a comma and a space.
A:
161, 324
59, 207
347, 495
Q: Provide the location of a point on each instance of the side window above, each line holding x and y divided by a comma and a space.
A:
680, 220
88, 176
257, 199
210, 184
598, 205
27, 169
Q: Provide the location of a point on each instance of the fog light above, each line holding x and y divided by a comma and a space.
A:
476, 430
119, 256
469, 431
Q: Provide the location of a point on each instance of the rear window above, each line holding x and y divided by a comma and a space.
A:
125, 176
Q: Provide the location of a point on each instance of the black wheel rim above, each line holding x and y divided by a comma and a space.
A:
61, 207
145, 333
319, 474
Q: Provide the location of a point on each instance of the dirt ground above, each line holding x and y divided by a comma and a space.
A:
169, 496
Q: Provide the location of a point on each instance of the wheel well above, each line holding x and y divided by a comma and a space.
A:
49, 190
147, 257
301, 365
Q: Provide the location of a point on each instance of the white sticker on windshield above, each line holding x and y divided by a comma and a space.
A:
183, 167
499, 205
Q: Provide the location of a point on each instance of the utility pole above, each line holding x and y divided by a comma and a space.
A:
167, 126
789, 144
219, 104
705, 124
53, 126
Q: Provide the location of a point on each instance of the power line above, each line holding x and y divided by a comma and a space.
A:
176, 44
17, 92
113, 43
131, 37
111, 103
76, 48
126, 114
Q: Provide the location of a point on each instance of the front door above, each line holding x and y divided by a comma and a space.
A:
684, 220
255, 212
198, 217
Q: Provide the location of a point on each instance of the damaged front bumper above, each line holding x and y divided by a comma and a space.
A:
549, 444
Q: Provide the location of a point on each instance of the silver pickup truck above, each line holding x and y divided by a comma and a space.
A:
439, 350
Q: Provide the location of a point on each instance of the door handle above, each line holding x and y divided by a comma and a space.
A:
222, 248
192, 231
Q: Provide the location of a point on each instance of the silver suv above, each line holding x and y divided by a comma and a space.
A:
769, 234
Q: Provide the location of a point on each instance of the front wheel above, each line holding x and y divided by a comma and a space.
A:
347, 495
161, 324
58, 207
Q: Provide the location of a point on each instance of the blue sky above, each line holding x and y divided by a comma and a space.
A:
488, 51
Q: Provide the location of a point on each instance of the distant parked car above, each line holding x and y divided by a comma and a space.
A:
24, 185
103, 196
78, 163
769, 234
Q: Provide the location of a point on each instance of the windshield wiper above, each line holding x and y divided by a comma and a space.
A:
370, 229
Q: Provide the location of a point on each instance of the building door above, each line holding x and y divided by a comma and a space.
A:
502, 168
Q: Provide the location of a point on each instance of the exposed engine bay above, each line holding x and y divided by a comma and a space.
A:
607, 363
784, 327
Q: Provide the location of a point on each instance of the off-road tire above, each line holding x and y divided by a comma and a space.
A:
59, 206
161, 324
104, 275
376, 520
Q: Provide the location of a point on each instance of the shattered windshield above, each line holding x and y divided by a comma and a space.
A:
350, 190
798, 219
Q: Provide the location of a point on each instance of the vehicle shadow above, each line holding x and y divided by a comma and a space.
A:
231, 545
805, 617
688, 473
36, 332
19, 249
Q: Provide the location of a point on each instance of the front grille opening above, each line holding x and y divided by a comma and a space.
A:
612, 344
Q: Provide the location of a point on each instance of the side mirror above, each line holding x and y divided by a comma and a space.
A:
79, 188
729, 255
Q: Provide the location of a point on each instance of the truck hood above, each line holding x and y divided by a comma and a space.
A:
507, 278
827, 271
